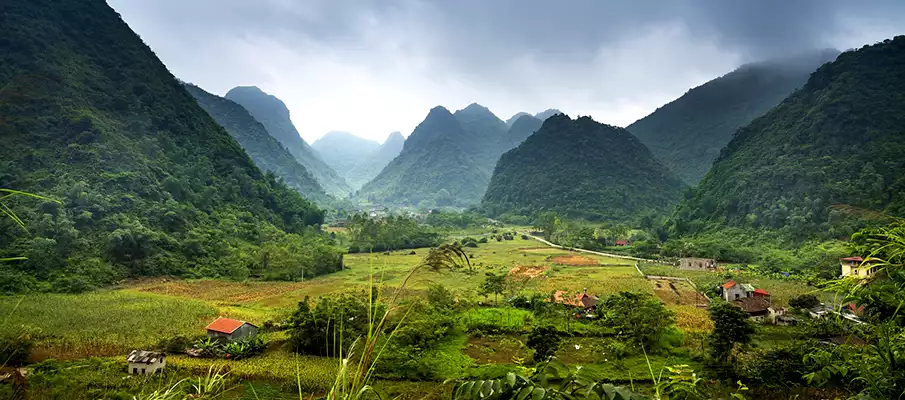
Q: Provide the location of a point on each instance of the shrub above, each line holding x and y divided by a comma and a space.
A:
637, 317
544, 340
804, 301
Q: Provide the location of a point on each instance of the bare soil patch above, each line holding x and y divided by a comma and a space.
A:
528, 271
574, 260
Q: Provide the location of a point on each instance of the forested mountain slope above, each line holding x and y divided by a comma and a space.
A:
342, 150
520, 130
435, 166
840, 140
149, 183
688, 133
273, 114
265, 150
368, 168
515, 117
583, 169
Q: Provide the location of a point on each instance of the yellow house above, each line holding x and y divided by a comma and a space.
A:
855, 266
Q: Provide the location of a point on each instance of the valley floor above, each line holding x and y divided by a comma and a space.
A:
98, 329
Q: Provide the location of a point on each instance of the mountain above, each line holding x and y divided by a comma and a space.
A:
484, 135
688, 133
342, 150
543, 115
436, 163
369, 167
582, 169
267, 153
520, 130
148, 182
515, 117
274, 115
839, 140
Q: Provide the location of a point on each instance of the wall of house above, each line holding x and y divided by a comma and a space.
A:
147, 369
730, 294
243, 331
697, 264
856, 269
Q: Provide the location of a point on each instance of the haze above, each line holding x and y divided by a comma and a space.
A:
373, 67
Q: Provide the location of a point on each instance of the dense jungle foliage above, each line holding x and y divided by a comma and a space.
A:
581, 169
273, 114
267, 153
837, 141
688, 133
389, 233
149, 183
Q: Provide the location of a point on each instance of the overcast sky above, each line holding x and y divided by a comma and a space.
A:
371, 67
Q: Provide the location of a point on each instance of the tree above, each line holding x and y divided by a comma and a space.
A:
731, 327
544, 340
638, 317
493, 284
804, 301
548, 223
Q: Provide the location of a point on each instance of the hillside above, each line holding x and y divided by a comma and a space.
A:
274, 115
484, 136
149, 183
688, 133
267, 153
436, 166
342, 150
520, 130
583, 169
368, 168
515, 117
838, 140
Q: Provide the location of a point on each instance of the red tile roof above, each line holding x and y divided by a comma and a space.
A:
761, 292
858, 259
225, 325
621, 242
728, 285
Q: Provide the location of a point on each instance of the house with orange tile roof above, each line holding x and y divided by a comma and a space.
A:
230, 329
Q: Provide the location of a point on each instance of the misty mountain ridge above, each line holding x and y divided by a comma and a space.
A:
274, 115
688, 133
343, 150
267, 153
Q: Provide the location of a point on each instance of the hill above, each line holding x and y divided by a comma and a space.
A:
342, 150
437, 165
149, 183
514, 117
582, 169
267, 153
837, 140
543, 115
368, 168
484, 136
688, 133
520, 130
274, 115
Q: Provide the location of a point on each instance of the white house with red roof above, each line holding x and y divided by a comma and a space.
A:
855, 266
230, 329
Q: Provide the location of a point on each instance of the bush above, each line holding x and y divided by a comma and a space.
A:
334, 320
482, 240
544, 340
638, 317
15, 348
804, 301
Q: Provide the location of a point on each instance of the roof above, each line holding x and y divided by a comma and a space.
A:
748, 287
858, 259
761, 292
728, 285
226, 325
753, 305
621, 242
144, 357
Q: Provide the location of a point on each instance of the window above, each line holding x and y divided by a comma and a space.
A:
142, 370
134, 370
736, 296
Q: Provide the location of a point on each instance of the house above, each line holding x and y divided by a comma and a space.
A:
621, 243
145, 362
855, 266
758, 308
583, 300
732, 290
697, 264
229, 329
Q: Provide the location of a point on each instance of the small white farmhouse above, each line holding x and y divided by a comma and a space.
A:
145, 362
